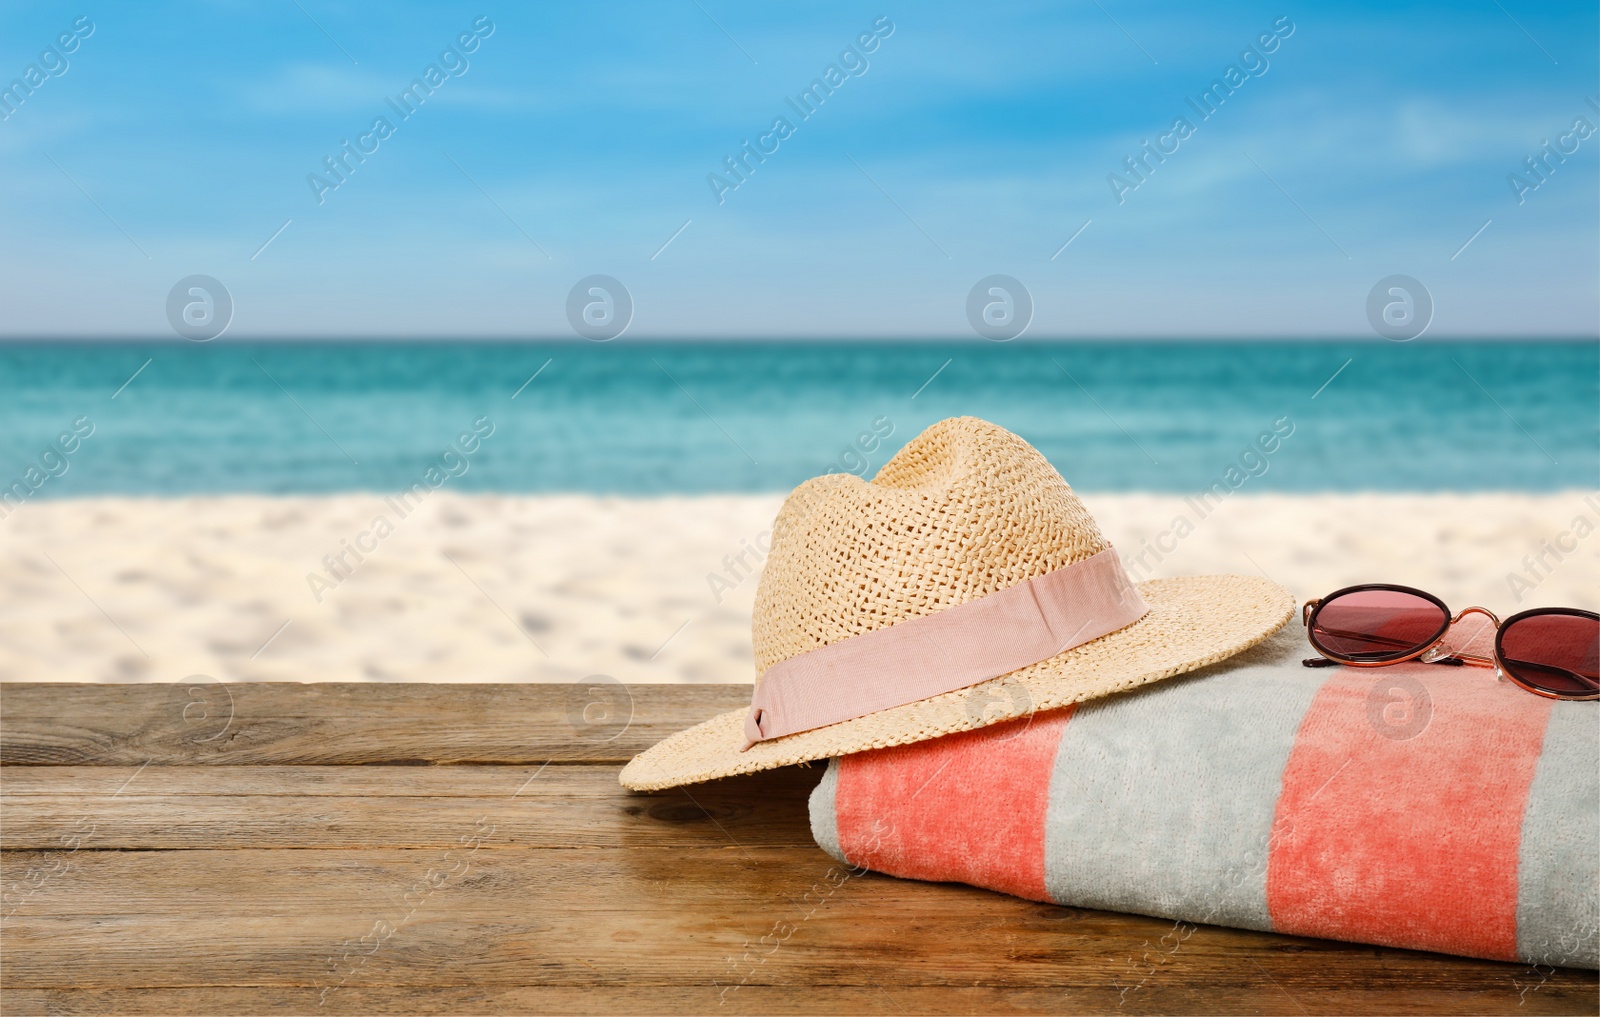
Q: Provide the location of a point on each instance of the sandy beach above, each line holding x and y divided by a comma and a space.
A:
557, 588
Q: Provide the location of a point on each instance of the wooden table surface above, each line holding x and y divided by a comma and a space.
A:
322, 848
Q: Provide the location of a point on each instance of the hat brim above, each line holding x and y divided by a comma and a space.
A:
1193, 621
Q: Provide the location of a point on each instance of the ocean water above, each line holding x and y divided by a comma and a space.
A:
640, 418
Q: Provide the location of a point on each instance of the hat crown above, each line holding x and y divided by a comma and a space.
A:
964, 510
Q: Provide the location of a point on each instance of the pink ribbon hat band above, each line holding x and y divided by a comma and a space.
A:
924, 657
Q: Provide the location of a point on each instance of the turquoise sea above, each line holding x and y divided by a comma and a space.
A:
641, 418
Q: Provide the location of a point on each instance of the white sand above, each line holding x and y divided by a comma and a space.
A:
118, 589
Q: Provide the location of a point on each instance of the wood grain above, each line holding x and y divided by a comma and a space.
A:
861, 998
611, 918
554, 806
349, 724
516, 876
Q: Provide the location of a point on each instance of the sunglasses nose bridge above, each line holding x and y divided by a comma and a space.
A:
1494, 619
1472, 638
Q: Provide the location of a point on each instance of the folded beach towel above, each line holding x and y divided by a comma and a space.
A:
1419, 806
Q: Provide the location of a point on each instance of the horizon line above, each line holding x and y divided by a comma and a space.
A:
760, 339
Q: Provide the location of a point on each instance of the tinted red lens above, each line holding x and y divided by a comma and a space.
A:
1376, 625
1553, 652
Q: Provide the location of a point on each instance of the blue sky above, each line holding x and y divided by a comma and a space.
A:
977, 140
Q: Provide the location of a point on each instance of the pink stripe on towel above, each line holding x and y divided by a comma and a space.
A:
1400, 818
928, 810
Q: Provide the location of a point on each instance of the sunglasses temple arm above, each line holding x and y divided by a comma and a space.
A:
1581, 679
1368, 636
1446, 661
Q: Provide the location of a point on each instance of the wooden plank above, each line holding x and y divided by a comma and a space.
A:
237, 724
463, 780
862, 998
340, 883
636, 916
581, 950
570, 806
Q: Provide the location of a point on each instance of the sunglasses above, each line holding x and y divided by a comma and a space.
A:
1550, 651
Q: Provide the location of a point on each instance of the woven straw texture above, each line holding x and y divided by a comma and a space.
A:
962, 511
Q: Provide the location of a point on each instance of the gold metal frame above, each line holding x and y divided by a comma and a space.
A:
1428, 652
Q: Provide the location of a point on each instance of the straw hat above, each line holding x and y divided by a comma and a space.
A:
964, 513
